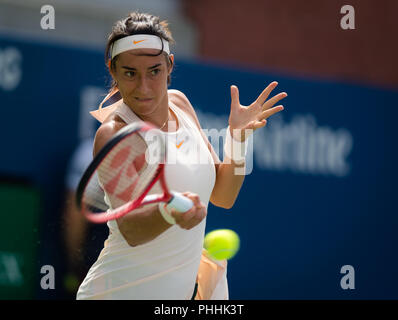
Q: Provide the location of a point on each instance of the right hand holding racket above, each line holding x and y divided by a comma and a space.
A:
192, 217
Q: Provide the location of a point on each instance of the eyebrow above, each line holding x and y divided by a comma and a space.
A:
130, 68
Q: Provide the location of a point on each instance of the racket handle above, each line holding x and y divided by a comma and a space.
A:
179, 202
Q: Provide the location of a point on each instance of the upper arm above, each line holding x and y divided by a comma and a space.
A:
182, 101
104, 133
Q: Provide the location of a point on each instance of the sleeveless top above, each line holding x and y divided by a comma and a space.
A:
165, 267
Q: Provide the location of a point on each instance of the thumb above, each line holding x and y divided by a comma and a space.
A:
234, 95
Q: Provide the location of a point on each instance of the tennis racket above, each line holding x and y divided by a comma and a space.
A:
120, 176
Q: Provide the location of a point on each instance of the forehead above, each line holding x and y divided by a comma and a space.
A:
141, 57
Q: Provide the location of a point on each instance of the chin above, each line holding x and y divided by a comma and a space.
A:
144, 107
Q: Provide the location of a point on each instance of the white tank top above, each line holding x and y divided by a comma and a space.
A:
165, 267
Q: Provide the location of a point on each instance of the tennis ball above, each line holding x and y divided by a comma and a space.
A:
222, 243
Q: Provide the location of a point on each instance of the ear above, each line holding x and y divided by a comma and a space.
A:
111, 71
171, 57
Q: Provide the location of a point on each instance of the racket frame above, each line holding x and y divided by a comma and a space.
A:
131, 205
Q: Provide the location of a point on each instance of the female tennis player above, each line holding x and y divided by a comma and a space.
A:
153, 253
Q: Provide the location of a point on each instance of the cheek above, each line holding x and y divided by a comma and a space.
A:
126, 91
126, 86
159, 85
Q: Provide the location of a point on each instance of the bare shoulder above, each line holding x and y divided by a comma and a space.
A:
106, 131
178, 97
182, 102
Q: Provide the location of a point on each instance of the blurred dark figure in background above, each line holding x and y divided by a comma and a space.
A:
82, 240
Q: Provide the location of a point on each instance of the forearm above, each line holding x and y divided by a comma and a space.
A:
142, 226
231, 172
230, 177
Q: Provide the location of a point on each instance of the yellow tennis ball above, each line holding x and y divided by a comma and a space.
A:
222, 244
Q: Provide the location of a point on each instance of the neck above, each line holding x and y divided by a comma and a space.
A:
161, 115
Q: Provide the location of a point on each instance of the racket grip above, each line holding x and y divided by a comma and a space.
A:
179, 202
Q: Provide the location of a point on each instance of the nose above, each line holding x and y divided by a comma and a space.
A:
143, 85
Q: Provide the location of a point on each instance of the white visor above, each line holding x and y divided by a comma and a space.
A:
139, 41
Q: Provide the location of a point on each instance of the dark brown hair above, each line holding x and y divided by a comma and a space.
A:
137, 23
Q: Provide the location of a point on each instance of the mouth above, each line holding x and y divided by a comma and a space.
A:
143, 99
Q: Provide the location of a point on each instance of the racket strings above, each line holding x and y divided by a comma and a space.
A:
121, 176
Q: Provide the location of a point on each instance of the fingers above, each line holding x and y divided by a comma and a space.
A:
259, 124
269, 112
274, 100
235, 95
191, 218
193, 197
256, 124
264, 95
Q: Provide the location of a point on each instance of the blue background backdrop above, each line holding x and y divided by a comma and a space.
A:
299, 220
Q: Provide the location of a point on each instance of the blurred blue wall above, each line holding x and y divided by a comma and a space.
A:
319, 195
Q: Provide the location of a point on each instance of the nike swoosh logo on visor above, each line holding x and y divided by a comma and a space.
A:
135, 42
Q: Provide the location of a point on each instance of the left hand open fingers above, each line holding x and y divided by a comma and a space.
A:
266, 92
269, 112
268, 104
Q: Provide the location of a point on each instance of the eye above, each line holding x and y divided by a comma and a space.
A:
154, 72
129, 74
